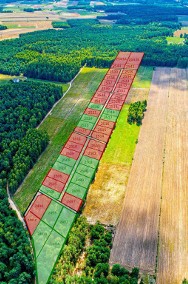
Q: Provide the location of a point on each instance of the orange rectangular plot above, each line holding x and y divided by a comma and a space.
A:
103, 129
97, 145
106, 123
100, 136
112, 77
124, 85
100, 101
117, 100
95, 154
136, 57
92, 112
77, 138
71, 201
32, 222
101, 95
123, 55
84, 131
105, 88
108, 82
39, 205
113, 72
53, 184
119, 65
73, 146
114, 106
120, 95
122, 90
128, 73
58, 175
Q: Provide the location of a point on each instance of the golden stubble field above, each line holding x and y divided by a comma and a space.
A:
153, 230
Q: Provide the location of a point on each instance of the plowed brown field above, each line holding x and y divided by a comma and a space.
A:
159, 172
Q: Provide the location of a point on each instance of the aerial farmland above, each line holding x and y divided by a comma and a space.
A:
93, 164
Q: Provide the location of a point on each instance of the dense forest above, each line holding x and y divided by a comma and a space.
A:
23, 106
16, 262
59, 54
88, 249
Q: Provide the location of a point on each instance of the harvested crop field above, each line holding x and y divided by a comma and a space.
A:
173, 238
159, 170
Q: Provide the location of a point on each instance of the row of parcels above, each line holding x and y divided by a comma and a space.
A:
62, 193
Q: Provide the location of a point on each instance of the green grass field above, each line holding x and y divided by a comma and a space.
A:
59, 125
143, 77
174, 40
122, 143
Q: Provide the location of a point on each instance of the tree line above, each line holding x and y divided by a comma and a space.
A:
58, 54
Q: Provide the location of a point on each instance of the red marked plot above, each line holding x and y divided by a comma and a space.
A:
31, 221
100, 136
106, 123
77, 138
102, 129
92, 112
136, 57
123, 86
73, 146
99, 101
82, 130
122, 90
128, 72
39, 205
58, 175
125, 81
115, 94
53, 184
112, 77
95, 154
96, 145
113, 72
114, 106
101, 95
118, 65
117, 100
124, 55
108, 82
105, 89
71, 201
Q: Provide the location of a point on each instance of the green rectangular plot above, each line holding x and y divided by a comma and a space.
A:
52, 213
90, 162
63, 168
85, 170
85, 124
40, 236
111, 112
48, 257
81, 180
66, 160
76, 190
95, 106
88, 118
48, 191
108, 117
65, 221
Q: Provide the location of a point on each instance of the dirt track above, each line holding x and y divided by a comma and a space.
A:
160, 169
